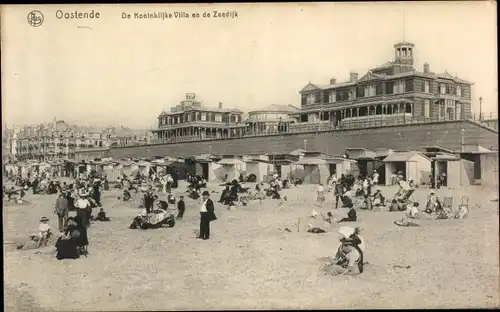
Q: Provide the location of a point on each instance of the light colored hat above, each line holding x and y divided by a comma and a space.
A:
346, 231
44, 219
432, 192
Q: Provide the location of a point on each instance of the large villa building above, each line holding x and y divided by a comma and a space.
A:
392, 90
390, 94
190, 120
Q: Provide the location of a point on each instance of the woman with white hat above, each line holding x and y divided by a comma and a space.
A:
349, 258
432, 202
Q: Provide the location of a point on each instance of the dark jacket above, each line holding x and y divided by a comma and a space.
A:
61, 206
181, 205
210, 210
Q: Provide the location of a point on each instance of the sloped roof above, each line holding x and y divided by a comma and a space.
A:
230, 161
311, 161
277, 108
403, 156
298, 152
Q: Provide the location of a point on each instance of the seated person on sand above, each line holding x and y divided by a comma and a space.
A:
315, 230
194, 194
347, 199
224, 198
348, 260
367, 202
433, 203
400, 194
171, 199
405, 222
378, 199
412, 211
352, 215
273, 193
126, 196
160, 204
395, 206
75, 237
101, 216
462, 212
44, 231
329, 218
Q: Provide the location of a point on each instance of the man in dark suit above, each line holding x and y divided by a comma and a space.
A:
61, 210
207, 215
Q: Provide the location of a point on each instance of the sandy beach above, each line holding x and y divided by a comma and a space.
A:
251, 262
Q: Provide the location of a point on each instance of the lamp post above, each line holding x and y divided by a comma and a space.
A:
305, 144
462, 133
210, 149
480, 108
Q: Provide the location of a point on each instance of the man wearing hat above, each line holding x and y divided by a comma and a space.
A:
207, 214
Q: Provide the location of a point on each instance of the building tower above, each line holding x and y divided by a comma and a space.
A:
403, 56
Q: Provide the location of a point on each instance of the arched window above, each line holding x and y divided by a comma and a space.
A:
371, 111
408, 108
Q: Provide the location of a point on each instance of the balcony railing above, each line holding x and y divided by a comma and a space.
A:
365, 122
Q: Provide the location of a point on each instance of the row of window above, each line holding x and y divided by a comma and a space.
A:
197, 116
268, 116
391, 87
448, 108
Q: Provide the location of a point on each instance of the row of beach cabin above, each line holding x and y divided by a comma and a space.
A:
312, 167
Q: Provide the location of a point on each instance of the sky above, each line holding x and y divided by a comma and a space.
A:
115, 71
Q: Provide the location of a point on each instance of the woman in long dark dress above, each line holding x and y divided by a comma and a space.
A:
82, 239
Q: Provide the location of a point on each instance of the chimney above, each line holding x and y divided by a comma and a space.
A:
354, 77
426, 68
220, 105
333, 81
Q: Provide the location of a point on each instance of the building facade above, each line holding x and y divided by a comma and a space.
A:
392, 90
270, 119
190, 120
58, 140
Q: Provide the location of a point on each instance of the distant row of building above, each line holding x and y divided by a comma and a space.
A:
60, 140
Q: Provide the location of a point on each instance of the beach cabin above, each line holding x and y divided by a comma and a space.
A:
367, 161
205, 165
257, 165
160, 165
413, 166
318, 167
489, 169
473, 153
231, 168
112, 171
459, 172
126, 168
285, 165
143, 167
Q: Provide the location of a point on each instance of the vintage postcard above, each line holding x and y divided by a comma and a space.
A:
250, 156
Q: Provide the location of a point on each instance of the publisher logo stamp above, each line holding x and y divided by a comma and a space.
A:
35, 18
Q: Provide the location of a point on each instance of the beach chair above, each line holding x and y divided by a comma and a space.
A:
408, 197
464, 203
448, 203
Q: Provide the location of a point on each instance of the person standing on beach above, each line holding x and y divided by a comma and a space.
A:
181, 207
207, 215
61, 210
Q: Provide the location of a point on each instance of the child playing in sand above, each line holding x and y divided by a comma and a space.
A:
321, 194
412, 211
395, 206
